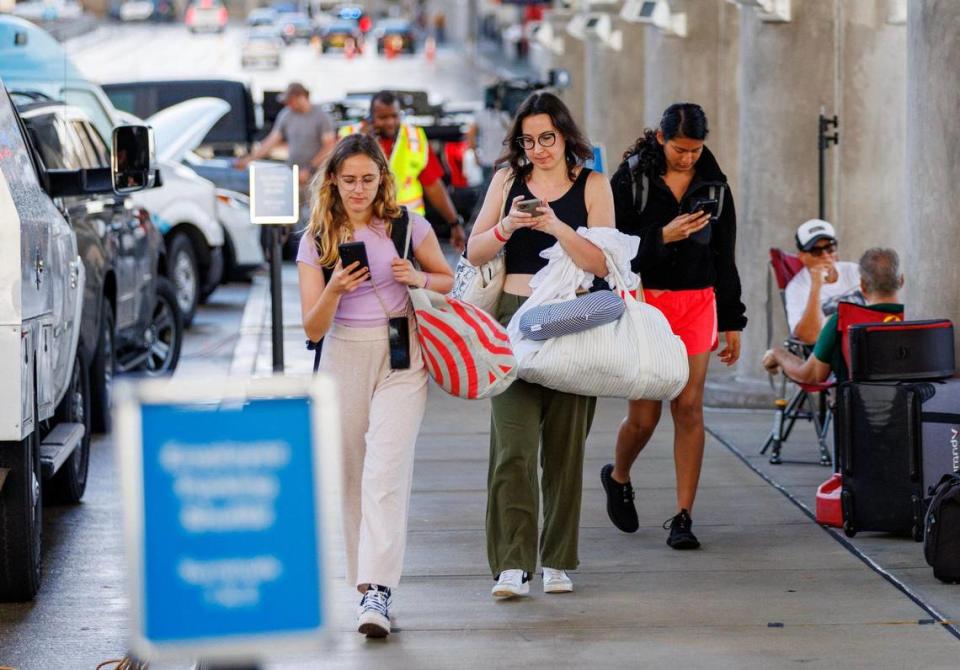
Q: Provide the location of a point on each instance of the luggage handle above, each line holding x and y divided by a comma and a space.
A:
845, 431
912, 442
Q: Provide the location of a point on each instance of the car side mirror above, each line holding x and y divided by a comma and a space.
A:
133, 164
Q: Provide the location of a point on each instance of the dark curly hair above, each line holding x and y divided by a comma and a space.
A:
681, 119
578, 149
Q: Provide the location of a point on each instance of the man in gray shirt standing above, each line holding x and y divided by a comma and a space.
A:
308, 133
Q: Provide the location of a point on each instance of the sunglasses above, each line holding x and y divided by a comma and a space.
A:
828, 248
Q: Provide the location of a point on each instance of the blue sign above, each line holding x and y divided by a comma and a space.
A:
231, 540
595, 163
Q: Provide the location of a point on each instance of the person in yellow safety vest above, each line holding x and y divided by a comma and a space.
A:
415, 167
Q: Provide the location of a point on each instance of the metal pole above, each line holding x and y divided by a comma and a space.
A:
823, 142
276, 298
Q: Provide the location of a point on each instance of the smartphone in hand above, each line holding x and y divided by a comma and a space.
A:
529, 206
353, 251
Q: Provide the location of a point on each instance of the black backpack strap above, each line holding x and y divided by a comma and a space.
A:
641, 189
398, 232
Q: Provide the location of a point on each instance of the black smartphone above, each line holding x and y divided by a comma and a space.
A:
708, 205
398, 336
354, 251
528, 206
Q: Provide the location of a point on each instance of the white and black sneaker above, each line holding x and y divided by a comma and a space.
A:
511, 583
373, 619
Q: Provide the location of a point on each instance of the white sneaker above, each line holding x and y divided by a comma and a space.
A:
510, 584
373, 618
556, 581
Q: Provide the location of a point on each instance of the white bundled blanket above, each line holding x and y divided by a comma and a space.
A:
636, 357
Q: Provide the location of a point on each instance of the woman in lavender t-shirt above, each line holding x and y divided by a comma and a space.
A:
380, 407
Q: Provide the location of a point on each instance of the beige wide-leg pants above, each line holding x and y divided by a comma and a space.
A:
380, 414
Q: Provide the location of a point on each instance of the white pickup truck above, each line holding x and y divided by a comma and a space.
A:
45, 387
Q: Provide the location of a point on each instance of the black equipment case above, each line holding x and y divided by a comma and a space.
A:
941, 541
896, 440
902, 350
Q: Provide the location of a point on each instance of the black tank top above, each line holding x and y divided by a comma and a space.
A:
524, 246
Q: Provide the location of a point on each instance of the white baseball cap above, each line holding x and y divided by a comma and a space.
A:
812, 231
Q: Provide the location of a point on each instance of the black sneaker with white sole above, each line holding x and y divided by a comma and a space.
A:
681, 535
373, 619
620, 507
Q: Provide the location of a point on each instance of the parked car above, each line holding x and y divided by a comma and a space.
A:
338, 34
131, 320
135, 10
45, 397
238, 129
295, 26
396, 35
184, 207
30, 59
262, 45
179, 130
206, 16
261, 16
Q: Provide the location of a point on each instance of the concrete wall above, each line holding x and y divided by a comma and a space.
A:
869, 192
787, 72
573, 59
933, 159
615, 89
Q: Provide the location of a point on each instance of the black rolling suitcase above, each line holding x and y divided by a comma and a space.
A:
895, 441
900, 351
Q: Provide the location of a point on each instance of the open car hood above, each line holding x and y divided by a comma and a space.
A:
181, 128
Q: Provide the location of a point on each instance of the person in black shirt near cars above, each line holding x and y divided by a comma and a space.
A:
671, 193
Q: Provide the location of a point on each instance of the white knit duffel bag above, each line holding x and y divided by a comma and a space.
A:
635, 357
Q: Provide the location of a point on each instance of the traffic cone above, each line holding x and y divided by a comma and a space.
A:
350, 49
430, 49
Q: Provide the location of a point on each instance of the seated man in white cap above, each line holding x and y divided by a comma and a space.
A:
812, 295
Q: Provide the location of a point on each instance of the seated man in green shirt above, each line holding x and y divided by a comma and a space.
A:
880, 282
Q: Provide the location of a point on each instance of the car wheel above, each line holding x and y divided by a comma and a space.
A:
165, 336
102, 370
185, 275
70, 481
21, 512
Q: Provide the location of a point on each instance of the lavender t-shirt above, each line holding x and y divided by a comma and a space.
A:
361, 309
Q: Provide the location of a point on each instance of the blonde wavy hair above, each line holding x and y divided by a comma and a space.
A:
329, 225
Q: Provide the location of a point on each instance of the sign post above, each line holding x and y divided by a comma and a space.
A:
226, 487
275, 200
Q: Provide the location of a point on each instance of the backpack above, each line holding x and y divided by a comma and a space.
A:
941, 537
641, 188
398, 234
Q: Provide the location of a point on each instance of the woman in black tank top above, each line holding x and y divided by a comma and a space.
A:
532, 425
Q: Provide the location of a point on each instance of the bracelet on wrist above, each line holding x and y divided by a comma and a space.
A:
426, 279
499, 235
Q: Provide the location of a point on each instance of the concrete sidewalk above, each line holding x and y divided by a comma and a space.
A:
769, 588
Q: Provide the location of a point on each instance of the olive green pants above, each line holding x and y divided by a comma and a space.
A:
527, 419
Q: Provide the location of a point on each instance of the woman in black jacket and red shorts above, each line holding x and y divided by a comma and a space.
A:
662, 194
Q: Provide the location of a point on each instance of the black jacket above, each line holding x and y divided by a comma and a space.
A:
686, 264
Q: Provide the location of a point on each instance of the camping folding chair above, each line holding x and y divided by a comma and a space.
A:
808, 401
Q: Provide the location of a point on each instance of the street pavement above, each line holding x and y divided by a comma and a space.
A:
770, 588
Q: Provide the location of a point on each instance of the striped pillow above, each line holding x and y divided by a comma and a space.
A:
571, 316
466, 352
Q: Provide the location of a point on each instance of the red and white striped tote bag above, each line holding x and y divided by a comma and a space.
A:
465, 350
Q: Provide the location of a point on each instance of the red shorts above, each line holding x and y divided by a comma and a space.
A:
692, 315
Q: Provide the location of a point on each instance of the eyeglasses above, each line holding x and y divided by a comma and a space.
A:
547, 139
366, 182
828, 248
